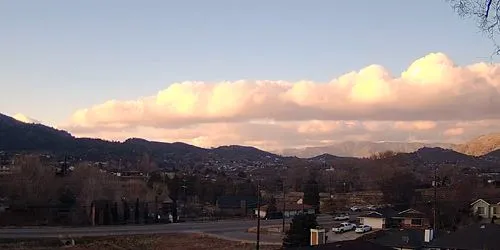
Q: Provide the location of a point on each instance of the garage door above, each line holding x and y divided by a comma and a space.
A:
376, 223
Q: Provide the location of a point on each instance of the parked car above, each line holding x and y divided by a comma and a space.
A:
341, 217
355, 209
343, 227
363, 229
371, 207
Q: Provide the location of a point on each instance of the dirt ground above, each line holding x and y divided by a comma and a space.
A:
153, 242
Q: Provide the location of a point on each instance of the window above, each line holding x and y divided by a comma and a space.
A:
494, 210
416, 222
480, 210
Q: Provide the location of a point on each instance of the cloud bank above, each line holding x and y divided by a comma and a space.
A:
432, 100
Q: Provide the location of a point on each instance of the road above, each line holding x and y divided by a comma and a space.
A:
227, 229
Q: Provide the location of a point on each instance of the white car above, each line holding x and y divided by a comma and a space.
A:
343, 227
355, 209
363, 229
341, 217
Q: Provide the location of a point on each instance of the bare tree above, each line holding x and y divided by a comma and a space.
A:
89, 184
486, 13
146, 164
32, 183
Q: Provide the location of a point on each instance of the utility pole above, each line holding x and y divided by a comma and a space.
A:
434, 210
284, 207
258, 215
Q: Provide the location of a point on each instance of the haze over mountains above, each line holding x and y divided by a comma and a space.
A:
360, 148
16, 135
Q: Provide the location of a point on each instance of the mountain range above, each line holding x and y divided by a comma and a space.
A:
18, 136
361, 148
476, 147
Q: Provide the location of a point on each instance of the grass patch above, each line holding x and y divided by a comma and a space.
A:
153, 242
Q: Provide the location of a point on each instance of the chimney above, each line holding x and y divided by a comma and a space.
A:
428, 235
318, 236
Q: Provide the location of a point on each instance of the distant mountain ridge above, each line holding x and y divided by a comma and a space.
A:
31, 137
481, 145
17, 136
361, 148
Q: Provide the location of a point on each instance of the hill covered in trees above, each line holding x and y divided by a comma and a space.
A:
16, 136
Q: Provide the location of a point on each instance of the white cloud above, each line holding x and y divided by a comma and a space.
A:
434, 99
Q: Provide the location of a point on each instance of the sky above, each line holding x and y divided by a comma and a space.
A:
271, 74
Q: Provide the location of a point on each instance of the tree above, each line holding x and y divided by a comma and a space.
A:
486, 13
299, 233
126, 211
271, 207
136, 211
31, 182
399, 189
106, 213
146, 165
146, 213
333, 205
311, 193
173, 188
114, 213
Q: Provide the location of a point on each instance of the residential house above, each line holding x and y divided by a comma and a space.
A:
389, 218
236, 205
486, 208
477, 236
411, 218
378, 219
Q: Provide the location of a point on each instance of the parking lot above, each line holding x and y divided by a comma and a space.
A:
351, 235
333, 237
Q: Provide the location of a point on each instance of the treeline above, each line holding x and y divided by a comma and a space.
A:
37, 193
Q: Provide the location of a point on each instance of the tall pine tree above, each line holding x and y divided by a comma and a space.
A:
311, 193
299, 233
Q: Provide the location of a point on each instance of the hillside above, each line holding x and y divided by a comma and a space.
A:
16, 136
481, 145
360, 149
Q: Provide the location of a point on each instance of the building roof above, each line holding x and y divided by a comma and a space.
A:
348, 245
410, 213
405, 238
381, 213
372, 214
235, 201
490, 201
477, 236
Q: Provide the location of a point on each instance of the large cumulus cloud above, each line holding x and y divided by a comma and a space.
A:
433, 100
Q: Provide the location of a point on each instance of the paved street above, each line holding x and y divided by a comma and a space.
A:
228, 229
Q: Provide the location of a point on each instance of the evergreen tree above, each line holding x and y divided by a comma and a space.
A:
136, 211
173, 188
106, 212
126, 211
114, 213
299, 233
146, 213
311, 193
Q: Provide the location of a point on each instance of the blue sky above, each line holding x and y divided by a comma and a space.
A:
59, 56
